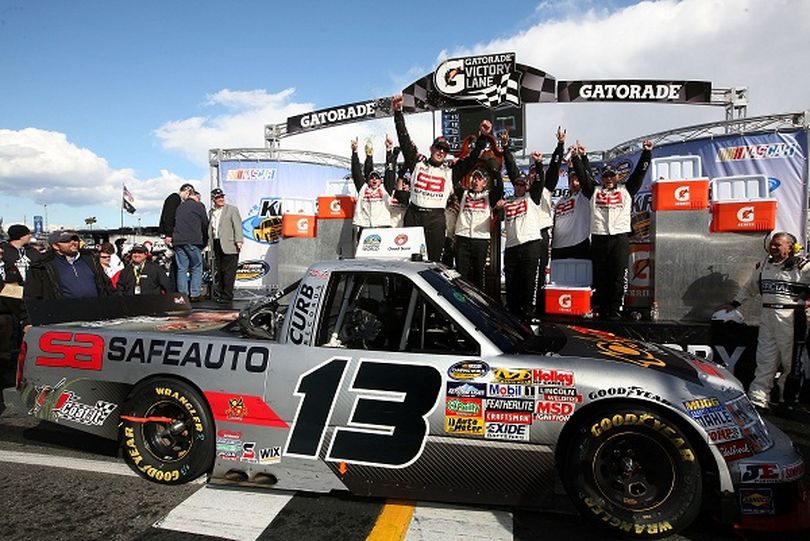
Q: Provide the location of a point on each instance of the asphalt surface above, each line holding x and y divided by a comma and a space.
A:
50, 499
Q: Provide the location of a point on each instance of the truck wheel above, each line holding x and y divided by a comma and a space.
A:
634, 471
167, 432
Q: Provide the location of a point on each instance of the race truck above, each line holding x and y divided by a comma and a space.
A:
399, 379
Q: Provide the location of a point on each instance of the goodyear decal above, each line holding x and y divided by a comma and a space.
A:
468, 370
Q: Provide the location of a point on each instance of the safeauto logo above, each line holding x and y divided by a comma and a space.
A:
768, 151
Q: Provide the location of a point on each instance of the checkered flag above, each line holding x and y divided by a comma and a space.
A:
508, 90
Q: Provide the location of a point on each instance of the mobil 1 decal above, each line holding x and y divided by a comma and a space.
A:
387, 425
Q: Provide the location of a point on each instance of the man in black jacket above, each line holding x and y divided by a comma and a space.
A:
142, 277
190, 235
66, 272
166, 225
17, 251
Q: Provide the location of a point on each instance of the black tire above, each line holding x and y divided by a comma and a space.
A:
167, 432
634, 471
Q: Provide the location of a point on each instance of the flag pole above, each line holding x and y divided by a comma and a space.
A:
122, 205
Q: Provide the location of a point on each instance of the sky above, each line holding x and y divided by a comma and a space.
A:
96, 94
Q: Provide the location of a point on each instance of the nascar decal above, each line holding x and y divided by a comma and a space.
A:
388, 424
757, 501
242, 409
304, 312
520, 376
188, 354
252, 270
466, 370
507, 431
466, 389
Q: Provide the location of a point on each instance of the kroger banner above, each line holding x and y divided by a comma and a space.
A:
781, 157
258, 189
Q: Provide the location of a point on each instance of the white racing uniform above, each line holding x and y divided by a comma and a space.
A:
572, 221
373, 207
781, 286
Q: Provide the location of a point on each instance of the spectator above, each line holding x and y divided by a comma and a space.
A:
527, 217
450, 221
66, 272
188, 238
783, 282
611, 205
474, 225
17, 250
225, 240
572, 221
142, 277
432, 181
166, 224
12, 314
110, 262
373, 195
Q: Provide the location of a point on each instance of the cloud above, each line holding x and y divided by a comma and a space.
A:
46, 168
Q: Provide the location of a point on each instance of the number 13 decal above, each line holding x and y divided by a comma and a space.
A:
387, 424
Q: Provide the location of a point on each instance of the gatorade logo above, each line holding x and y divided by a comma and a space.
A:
682, 193
302, 225
565, 301
745, 214
334, 206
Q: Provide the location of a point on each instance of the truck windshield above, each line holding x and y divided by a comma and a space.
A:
504, 330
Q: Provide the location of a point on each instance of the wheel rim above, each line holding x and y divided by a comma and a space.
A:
634, 471
168, 442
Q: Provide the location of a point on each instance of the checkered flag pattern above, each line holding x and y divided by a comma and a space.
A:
507, 90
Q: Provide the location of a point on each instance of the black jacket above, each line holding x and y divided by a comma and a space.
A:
167, 214
43, 278
190, 224
153, 280
11, 255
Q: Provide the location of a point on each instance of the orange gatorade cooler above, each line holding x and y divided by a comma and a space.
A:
687, 194
756, 215
572, 301
333, 207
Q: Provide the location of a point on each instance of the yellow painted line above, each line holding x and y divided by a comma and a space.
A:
393, 521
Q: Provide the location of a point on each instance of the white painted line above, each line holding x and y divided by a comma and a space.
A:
70, 463
439, 522
228, 513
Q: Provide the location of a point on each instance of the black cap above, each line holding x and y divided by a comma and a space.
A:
608, 171
64, 235
374, 174
18, 231
441, 142
217, 192
483, 173
138, 248
186, 187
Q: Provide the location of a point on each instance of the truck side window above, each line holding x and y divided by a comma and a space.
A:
432, 331
365, 311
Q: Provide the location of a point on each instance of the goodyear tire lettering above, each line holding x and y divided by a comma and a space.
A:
660, 455
157, 454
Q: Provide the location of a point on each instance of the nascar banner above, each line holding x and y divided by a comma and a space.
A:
342, 114
694, 92
490, 81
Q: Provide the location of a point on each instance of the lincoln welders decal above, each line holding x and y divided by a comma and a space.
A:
188, 354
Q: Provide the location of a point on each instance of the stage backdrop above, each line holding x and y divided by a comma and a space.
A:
258, 189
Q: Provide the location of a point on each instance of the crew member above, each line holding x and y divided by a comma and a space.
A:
474, 225
190, 235
142, 277
611, 205
783, 281
527, 218
225, 240
373, 207
571, 238
166, 225
432, 181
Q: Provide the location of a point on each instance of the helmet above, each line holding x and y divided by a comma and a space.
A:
727, 316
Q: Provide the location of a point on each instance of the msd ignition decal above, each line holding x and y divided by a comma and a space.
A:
264, 221
466, 390
184, 353
387, 424
553, 411
468, 370
303, 313
71, 350
519, 376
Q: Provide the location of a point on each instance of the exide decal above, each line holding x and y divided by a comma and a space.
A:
71, 350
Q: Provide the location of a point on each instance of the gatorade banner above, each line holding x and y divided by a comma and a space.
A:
694, 92
342, 114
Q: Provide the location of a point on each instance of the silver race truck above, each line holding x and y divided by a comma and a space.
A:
398, 379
